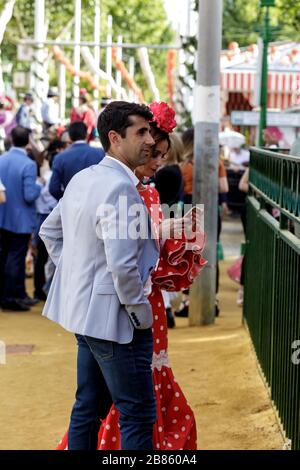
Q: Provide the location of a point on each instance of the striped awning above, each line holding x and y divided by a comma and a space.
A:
244, 81
238, 81
283, 87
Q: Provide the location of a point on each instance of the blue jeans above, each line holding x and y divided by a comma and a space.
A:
120, 373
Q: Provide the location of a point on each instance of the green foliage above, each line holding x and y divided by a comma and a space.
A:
240, 22
288, 19
139, 21
144, 22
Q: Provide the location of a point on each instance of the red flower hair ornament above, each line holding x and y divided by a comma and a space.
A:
163, 116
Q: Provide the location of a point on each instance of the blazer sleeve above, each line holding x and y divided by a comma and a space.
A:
31, 190
55, 185
52, 234
114, 227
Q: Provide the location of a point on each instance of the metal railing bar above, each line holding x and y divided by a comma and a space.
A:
277, 155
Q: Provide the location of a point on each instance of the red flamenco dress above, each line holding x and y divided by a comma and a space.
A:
175, 427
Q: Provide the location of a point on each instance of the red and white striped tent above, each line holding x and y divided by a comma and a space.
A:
239, 71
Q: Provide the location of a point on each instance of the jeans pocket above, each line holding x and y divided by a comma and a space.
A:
101, 348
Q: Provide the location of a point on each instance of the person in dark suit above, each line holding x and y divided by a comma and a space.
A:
17, 220
76, 158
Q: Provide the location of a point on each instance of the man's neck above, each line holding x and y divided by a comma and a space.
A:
139, 175
122, 160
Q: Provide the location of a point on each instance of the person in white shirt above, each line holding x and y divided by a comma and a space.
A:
239, 158
50, 110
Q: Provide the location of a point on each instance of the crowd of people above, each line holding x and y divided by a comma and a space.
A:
33, 182
49, 195
44, 167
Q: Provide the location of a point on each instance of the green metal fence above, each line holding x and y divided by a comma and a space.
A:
272, 279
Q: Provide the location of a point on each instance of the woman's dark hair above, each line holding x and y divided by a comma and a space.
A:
56, 146
158, 134
116, 117
187, 138
83, 99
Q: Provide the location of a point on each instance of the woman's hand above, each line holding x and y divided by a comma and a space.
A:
193, 222
189, 225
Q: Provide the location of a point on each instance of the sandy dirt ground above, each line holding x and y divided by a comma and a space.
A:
215, 366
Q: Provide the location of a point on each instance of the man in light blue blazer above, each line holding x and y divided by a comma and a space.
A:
98, 290
17, 220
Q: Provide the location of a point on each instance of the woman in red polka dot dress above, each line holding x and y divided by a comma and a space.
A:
175, 427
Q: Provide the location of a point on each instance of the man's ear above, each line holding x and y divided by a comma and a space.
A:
114, 137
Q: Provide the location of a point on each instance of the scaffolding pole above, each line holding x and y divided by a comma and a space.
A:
76, 55
97, 34
124, 45
109, 54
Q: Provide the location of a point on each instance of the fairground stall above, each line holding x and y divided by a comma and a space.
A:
240, 84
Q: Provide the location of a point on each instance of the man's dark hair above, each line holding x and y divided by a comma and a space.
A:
77, 131
116, 117
20, 136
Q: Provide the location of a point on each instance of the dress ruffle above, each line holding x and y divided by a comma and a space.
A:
178, 267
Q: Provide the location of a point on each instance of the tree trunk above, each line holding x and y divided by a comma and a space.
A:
4, 19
